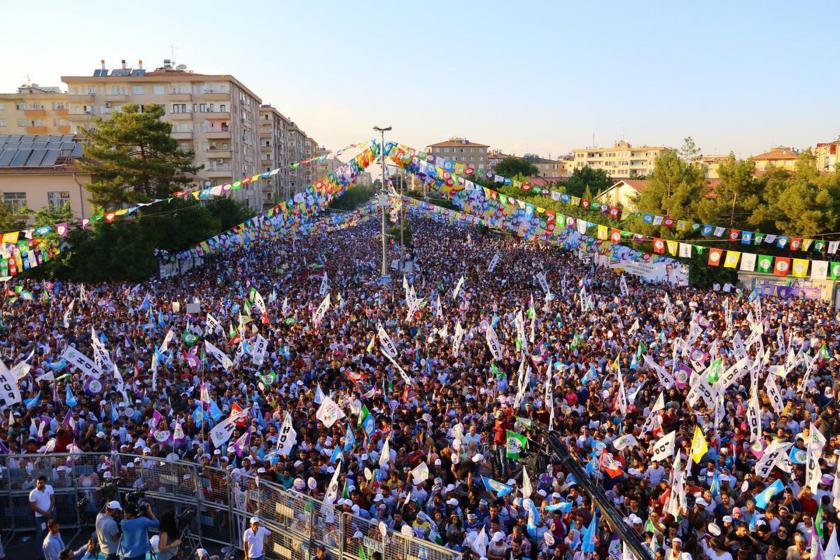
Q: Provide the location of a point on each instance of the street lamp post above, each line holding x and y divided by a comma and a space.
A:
382, 132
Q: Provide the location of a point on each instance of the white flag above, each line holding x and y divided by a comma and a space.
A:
325, 285
220, 356
213, 325
9, 392
624, 442
420, 473
318, 316
493, 263
170, 334
386, 453
259, 303
329, 412
222, 431
456, 341
387, 345
258, 350
319, 394
527, 489
67, 314
479, 545
664, 447
493, 342
79, 360
287, 437
458, 288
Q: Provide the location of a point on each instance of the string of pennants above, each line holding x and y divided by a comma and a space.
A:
63, 228
292, 215
452, 172
534, 221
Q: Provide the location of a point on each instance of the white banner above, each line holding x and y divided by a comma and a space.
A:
220, 356
258, 350
321, 311
772, 455
287, 437
9, 392
664, 447
493, 342
385, 342
85, 364
458, 288
493, 263
222, 431
213, 326
456, 341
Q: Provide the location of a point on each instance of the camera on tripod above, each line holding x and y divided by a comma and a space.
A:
184, 519
136, 499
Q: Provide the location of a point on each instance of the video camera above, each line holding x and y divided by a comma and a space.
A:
136, 500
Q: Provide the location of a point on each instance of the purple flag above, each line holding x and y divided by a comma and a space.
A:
243, 443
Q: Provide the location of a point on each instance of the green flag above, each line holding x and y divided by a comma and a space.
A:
835, 270
818, 521
523, 423
247, 308
251, 294
494, 369
713, 371
516, 443
642, 349
575, 341
189, 338
765, 263
363, 415
824, 352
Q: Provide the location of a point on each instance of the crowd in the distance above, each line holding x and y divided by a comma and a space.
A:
624, 358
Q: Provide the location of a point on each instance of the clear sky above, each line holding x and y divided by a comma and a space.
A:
523, 76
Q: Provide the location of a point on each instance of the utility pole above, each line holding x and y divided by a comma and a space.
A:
383, 195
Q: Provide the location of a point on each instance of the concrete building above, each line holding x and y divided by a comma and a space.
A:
40, 171
622, 160
710, 165
215, 115
780, 157
494, 157
34, 110
623, 193
274, 153
461, 150
297, 149
827, 155
547, 168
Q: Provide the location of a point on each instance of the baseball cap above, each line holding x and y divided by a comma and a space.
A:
114, 504
255, 520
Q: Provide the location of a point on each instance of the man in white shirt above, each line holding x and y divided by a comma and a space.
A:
254, 540
42, 502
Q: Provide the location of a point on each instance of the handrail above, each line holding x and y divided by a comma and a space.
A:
220, 500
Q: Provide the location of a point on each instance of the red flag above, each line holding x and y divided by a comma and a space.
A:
795, 243
782, 266
715, 256
734, 234
610, 465
659, 245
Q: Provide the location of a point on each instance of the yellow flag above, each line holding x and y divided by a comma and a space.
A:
603, 233
673, 246
800, 268
615, 362
698, 445
732, 258
370, 346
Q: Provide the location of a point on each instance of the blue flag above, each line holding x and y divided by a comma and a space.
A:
33, 402
533, 517
146, 303
798, 456
497, 488
767, 494
565, 507
70, 399
587, 544
349, 439
336, 455
714, 488
215, 412
198, 416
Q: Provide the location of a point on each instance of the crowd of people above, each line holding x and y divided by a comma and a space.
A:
710, 419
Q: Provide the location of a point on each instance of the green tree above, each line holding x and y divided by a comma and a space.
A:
674, 188
689, 151
596, 180
132, 157
736, 197
48, 215
12, 220
512, 167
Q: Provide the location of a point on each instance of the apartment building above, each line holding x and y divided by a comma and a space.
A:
621, 160
34, 109
826, 154
780, 157
710, 165
297, 147
461, 150
274, 153
546, 167
215, 115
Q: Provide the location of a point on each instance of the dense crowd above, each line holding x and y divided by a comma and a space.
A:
714, 385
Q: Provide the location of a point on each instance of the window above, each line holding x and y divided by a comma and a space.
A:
137, 90
117, 90
16, 201
2, 123
58, 199
223, 108
21, 122
159, 90
179, 107
2, 106
58, 106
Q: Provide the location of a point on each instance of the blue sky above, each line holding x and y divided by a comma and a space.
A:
522, 76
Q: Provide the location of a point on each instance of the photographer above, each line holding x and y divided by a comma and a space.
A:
134, 544
169, 542
107, 530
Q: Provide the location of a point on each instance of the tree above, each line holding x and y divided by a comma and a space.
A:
12, 220
133, 158
675, 188
48, 215
511, 167
736, 197
689, 151
596, 180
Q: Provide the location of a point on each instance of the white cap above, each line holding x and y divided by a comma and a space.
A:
255, 520
114, 504
497, 536
714, 529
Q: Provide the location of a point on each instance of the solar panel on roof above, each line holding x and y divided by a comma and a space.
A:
6, 157
36, 158
66, 137
138, 72
40, 145
50, 158
77, 151
20, 158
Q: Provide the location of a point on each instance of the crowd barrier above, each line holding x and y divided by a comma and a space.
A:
217, 503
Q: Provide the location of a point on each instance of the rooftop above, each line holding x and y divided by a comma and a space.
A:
776, 154
458, 143
39, 150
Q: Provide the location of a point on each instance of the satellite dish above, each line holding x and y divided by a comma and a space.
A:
181, 67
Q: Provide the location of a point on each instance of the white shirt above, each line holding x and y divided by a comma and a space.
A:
41, 498
255, 541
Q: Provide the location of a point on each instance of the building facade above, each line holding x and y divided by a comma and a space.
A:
40, 171
620, 161
274, 153
780, 157
461, 150
826, 154
34, 110
216, 116
547, 168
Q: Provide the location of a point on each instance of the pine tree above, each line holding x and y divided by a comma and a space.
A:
133, 158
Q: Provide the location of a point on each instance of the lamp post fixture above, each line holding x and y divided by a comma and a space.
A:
382, 132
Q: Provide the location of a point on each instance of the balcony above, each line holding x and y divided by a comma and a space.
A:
64, 129
115, 97
216, 134
179, 116
180, 97
61, 113
212, 96
80, 117
217, 173
36, 129
81, 97
182, 135
221, 154
217, 116
34, 113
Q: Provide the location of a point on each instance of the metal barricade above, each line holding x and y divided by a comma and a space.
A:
220, 503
